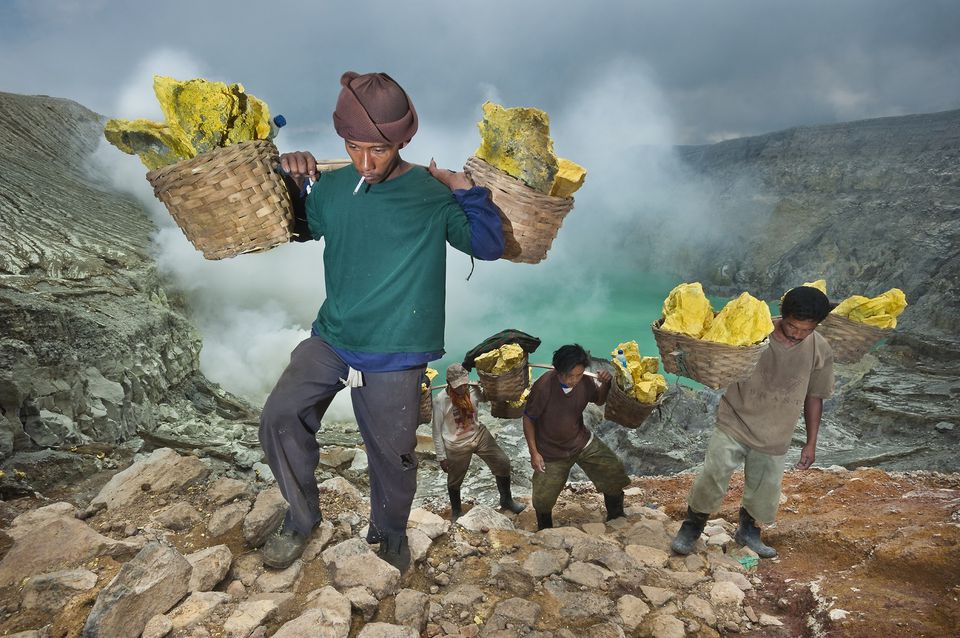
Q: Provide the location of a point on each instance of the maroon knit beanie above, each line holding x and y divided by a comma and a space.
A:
373, 108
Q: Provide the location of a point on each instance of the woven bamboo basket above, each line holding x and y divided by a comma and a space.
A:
713, 364
503, 410
623, 409
507, 386
426, 407
530, 219
849, 339
228, 201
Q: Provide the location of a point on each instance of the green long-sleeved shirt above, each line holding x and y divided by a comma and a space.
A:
385, 259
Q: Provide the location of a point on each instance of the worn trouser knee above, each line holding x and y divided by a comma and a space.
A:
288, 426
603, 467
761, 494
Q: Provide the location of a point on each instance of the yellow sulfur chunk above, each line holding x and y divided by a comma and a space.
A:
819, 284
503, 359
431, 374
517, 141
642, 372
881, 311
570, 176
210, 114
687, 310
155, 143
744, 321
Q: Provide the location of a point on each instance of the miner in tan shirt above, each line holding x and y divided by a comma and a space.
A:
756, 419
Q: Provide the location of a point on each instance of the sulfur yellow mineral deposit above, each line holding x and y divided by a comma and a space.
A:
819, 284
503, 359
643, 371
431, 374
155, 143
744, 321
687, 310
570, 176
881, 311
517, 141
200, 116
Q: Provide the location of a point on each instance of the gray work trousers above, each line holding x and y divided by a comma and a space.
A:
386, 408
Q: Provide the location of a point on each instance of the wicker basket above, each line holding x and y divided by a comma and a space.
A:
228, 201
530, 219
713, 364
507, 386
849, 339
623, 409
503, 410
426, 407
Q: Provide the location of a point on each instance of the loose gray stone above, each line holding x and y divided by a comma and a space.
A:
157, 627
265, 517
150, 584
665, 626
386, 630
483, 518
196, 608
163, 470
224, 490
428, 523
544, 562
48, 592
210, 566
411, 609
657, 596
701, 609
367, 570
647, 556
179, 517
363, 601
514, 612
587, 574
726, 594
741, 581
328, 617
277, 580
227, 517
632, 610
340, 485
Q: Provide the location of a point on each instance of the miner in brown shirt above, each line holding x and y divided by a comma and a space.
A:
755, 422
558, 439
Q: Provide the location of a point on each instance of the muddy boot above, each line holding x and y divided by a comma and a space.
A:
395, 550
283, 547
456, 510
689, 532
506, 498
544, 520
614, 504
749, 534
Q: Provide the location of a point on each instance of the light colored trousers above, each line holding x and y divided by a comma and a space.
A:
484, 446
762, 476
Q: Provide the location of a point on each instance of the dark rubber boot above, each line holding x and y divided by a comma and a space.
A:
456, 510
614, 503
544, 520
690, 531
283, 547
749, 534
506, 498
395, 550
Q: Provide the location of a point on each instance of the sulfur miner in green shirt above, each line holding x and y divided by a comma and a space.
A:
755, 422
386, 224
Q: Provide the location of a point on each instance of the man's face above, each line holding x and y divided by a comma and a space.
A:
796, 330
571, 378
373, 160
459, 391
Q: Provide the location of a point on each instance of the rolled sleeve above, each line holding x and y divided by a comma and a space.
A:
483, 217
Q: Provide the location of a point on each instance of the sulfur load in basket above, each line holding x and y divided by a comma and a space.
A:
855, 326
212, 165
532, 186
638, 387
715, 350
504, 373
426, 397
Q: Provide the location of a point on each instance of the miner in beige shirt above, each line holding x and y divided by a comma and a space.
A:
756, 419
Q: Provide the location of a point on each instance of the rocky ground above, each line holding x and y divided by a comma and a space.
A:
165, 547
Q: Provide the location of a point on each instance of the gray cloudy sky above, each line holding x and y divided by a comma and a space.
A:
723, 68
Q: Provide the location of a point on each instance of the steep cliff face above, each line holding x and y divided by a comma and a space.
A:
869, 205
89, 343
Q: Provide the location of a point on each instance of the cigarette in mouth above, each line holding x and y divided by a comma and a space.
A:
359, 184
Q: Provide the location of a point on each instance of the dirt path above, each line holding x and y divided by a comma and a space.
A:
884, 548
